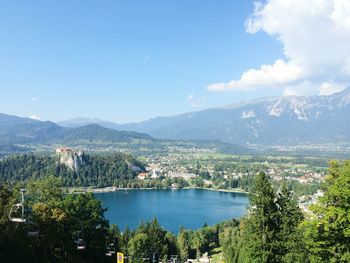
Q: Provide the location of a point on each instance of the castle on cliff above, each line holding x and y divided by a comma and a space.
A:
71, 158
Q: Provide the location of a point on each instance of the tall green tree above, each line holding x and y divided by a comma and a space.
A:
126, 236
86, 214
149, 238
198, 242
115, 237
231, 243
327, 234
138, 247
271, 230
261, 225
291, 247
183, 244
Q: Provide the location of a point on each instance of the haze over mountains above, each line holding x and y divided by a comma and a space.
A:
77, 122
277, 120
18, 130
17, 134
288, 120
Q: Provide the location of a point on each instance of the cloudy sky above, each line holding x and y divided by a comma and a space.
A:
133, 60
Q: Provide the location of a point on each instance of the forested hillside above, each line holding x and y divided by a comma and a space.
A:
62, 227
98, 170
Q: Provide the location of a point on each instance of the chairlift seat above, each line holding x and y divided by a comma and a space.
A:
81, 247
17, 212
110, 250
33, 233
80, 244
32, 229
18, 220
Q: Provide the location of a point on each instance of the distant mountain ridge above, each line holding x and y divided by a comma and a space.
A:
274, 120
290, 120
95, 132
77, 122
18, 130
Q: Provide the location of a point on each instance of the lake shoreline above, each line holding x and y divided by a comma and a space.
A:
109, 189
238, 190
190, 208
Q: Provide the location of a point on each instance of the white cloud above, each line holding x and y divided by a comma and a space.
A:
315, 35
340, 14
329, 88
278, 73
35, 117
195, 101
309, 88
299, 89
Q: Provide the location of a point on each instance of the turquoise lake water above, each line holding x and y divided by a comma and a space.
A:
173, 208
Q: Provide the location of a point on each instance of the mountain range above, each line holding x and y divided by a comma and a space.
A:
18, 130
287, 120
19, 134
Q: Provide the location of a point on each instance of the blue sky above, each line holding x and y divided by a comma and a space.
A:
130, 60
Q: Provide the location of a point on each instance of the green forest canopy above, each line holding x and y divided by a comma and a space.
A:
274, 230
98, 170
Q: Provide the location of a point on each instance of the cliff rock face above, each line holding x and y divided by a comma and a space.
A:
72, 159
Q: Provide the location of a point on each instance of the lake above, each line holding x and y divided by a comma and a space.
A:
190, 208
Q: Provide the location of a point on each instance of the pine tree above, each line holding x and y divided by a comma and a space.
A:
126, 236
231, 243
291, 247
183, 244
261, 226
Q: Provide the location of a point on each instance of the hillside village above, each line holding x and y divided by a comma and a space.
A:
190, 165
